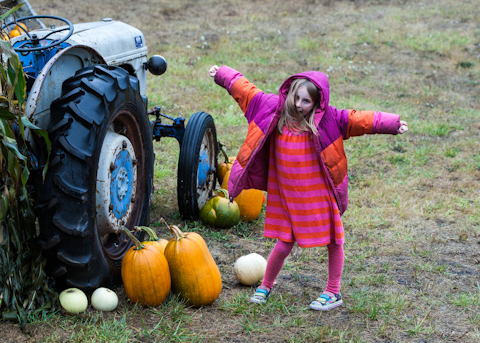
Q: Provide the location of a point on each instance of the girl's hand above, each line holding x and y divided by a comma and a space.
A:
403, 127
213, 70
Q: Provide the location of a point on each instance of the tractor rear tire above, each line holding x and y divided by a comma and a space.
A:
100, 107
197, 165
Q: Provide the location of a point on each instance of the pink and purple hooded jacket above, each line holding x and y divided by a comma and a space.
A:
250, 169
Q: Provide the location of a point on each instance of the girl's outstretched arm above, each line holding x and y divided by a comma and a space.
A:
242, 90
358, 123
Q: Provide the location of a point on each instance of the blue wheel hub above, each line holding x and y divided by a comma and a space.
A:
116, 183
121, 184
203, 168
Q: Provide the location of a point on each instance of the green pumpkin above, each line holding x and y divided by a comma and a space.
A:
220, 211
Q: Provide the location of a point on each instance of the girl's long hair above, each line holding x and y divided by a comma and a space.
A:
290, 117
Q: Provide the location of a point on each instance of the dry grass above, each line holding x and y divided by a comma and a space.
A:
413, 226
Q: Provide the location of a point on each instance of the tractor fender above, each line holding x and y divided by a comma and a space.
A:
48, 85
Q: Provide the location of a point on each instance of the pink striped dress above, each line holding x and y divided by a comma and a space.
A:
301, 205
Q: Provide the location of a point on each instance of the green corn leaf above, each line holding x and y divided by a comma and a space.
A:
12, 145
13, 170
15, 73
11, 315
44, 135
12, 70
25, 175
6, 295
6, 129
23, 282
10, 11
3, 209
5, 114
21, 88
29, 124
16, 240
6, 48
37, 280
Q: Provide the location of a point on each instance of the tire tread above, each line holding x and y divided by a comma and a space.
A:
64, 205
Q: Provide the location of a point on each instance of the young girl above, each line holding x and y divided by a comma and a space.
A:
294, 151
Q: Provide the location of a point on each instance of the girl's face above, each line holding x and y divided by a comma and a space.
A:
303, 101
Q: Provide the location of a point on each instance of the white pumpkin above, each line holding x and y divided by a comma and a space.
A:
73, 300
104, 299
250, 269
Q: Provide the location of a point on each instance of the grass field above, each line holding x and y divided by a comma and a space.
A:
412, 250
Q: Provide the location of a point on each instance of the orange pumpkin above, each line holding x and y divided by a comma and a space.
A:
153, 240
21, 27
195, 275
163, 244
250, 201
145, 273
14, 33
225, 166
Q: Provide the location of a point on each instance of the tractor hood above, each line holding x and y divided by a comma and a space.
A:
117, 42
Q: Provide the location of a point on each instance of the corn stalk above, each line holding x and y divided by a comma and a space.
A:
24, 289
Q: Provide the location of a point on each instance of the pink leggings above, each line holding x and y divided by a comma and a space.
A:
283, 249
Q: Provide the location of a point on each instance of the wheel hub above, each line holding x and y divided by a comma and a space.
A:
206, 169
203, 169
122, 184
116, 183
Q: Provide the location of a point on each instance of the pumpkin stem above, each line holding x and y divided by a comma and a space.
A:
164, 222
153, 236
174, 230
220, 145
177, 232
138, 244
223, 191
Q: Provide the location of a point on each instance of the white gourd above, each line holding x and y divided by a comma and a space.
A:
73, 300
104, 299
250, 269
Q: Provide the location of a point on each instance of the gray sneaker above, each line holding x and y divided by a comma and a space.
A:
326, 301
261, 296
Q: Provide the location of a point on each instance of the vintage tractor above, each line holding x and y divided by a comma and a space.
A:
86, 87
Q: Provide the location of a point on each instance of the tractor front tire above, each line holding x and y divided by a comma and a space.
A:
100, 177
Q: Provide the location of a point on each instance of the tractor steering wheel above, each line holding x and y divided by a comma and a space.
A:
33, 42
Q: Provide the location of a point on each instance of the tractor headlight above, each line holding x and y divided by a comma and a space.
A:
157, 65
